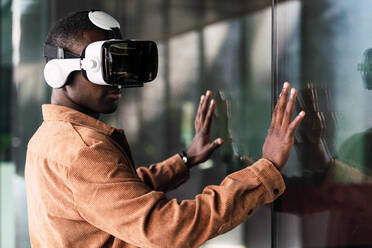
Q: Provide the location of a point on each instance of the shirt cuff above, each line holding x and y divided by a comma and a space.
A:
270, 177
179, 164
180, 171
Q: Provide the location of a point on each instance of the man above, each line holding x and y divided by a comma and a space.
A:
83, 189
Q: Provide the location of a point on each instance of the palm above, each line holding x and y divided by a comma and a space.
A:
201, 147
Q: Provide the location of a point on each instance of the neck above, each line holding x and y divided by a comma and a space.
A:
59, 97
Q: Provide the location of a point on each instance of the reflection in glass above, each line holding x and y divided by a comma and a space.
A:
365, 68
328, 198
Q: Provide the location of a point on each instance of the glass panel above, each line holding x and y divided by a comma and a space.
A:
221, 46
321, 50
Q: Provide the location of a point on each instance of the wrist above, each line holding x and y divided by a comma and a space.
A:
273, 163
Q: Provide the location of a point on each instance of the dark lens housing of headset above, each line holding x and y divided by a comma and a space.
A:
129, 63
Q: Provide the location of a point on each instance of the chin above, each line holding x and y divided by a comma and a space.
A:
109, 110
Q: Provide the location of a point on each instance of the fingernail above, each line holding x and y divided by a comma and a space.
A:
285, 85
292, 91
208, 92
302, 114
201, 98
212, 103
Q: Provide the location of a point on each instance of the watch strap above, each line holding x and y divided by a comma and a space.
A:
183, 156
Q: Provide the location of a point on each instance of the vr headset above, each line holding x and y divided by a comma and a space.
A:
128, 63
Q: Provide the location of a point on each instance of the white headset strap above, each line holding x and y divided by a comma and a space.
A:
103, 20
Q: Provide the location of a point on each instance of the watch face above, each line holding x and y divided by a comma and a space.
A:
184, 159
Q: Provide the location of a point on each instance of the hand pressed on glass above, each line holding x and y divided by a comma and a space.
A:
201, 147
280, 137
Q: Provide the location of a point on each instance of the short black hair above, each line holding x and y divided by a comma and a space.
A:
70, 29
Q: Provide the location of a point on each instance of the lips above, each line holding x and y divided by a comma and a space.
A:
114, 93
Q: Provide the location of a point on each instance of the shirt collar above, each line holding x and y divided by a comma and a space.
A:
53, 112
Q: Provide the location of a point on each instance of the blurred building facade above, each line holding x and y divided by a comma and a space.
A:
245, 50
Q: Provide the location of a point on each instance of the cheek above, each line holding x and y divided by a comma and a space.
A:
96, 98
88, 89
84, 92
91, 96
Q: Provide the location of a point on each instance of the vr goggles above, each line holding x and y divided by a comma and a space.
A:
129, 63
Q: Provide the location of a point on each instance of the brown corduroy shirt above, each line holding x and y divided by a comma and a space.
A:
83, 191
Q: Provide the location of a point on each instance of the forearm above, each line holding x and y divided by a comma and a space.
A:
143, 217
166, 175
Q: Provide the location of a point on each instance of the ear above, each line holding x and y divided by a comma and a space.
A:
56, 71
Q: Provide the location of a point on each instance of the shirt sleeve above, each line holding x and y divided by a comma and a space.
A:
166, 175
109, 195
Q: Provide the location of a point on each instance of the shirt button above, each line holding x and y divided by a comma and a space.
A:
250, 211
276, 191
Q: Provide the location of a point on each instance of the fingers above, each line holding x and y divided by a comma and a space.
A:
278, 110
289, 109
283, 112
294, 124
204, 111
200, 116
311, 99
280, 106
215, 144
208, 118
204, 106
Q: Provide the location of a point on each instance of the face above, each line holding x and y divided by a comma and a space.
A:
88, 97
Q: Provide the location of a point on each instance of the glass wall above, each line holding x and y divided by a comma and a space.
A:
223, 47
323, 47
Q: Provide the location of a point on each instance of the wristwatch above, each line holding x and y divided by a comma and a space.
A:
184, 157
